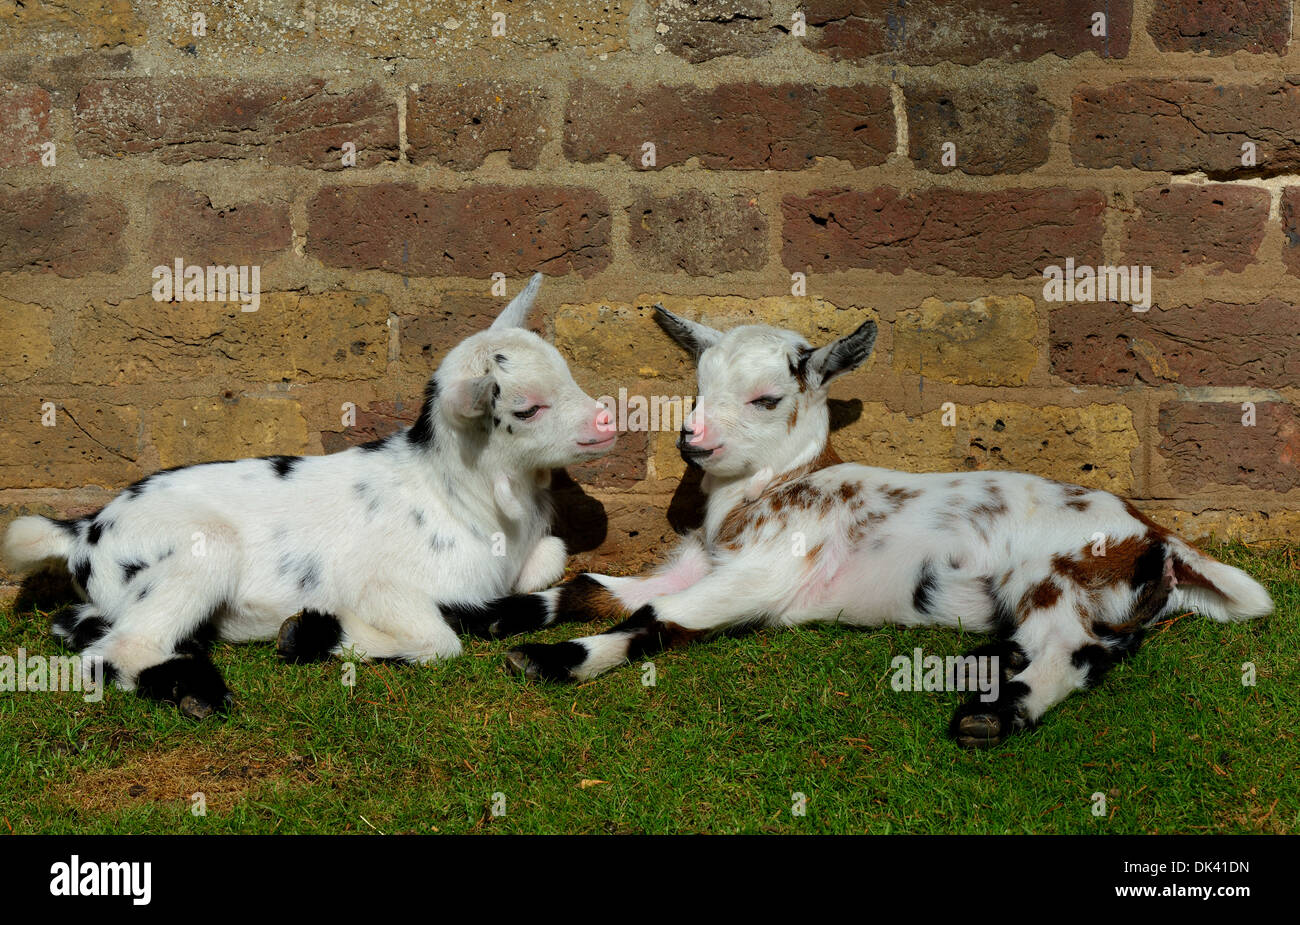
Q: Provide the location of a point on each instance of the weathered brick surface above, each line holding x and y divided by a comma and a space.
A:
744, 126
62, 230
705, 29
64, 27
185, 224
991, 341
378, 419
963, 31
25, 334
996, 128
1090, 445
228, 426
1290, 214
458, 125
472, 232
295, 122
292, 337
1206, 443
90, 443
25, 114
1208, 343
987, 234
1183, 126
1218, 227
698, 233
1221, 27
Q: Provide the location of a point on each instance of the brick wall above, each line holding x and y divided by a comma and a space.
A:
775, 153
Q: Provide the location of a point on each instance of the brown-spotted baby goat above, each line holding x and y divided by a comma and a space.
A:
793, 535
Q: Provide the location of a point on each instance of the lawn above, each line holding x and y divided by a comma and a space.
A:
721, 743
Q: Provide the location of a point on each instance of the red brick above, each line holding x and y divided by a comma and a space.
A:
705, 29
1182, 126
1291, 228
1205, 443
470, 232
964, 31
186, 225
292, 122
62, 230
997, 129
1206, 344
25, 114
744, 126
458, 125
1218, 226
1221, 27
698, 232
624, 465
379, 419
987, 234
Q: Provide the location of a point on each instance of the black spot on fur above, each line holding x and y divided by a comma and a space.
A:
422, 432
81, 572
199, 641
505, 616
372, 445
129, 569
144, 592
193, 683
308, 637
418, 517
923, 593
309, 577
283, 465
97, 528
78, 634
500, 360
496, 421
1097, 660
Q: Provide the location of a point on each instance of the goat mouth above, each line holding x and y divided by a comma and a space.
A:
598, 444
694, 454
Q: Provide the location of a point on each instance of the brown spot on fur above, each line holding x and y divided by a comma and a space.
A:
1115, 567
588, 599
849, 491
814, 552
1041, 596
794, 418
1077, 504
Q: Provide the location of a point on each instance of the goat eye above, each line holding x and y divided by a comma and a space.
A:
767, 401
528, 412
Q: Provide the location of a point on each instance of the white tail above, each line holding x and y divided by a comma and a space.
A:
32, 540
1211, 587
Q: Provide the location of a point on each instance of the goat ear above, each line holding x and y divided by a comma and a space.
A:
692, 335
513, 315
843, 355
469, 398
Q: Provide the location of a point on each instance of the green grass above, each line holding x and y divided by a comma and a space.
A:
731, 730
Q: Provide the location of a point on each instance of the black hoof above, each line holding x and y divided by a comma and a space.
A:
192, 683
307, 637
979, 725
538, 662
505, 616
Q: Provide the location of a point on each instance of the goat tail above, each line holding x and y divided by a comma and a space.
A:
32, 540
1220, 591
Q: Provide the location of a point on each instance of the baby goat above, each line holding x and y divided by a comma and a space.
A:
1001, 552
385, 548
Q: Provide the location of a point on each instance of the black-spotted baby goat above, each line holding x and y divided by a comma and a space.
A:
1002, 552
385, 549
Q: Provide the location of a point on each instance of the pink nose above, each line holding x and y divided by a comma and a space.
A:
604, 420
699, 432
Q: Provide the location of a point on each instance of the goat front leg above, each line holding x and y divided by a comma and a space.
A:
544, 566
584, 598
724, 599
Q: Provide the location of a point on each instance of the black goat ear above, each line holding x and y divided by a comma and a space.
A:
841, 356
692, 335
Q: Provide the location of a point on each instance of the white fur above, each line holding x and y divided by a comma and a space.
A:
859, 550
377, 537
